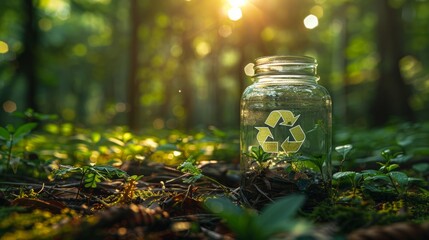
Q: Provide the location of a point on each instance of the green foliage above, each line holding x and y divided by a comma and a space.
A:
378, 181
189, 166
277, 218
343, 151
11, 137
384, 181
32, 116
259, 156
90, 175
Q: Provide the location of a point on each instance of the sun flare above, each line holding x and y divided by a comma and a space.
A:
237, 3
235, 13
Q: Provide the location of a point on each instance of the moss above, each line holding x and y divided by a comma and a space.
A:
418, 206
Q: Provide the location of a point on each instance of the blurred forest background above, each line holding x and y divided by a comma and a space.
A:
178, 64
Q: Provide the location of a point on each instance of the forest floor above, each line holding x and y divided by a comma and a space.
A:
182, 186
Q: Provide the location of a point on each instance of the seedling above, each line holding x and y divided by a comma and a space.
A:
259, 156
11, 137
344, 151
352, 177
189, 166
90, 175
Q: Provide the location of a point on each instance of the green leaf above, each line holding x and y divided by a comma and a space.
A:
283, 209
369, 172
401, 158
168, 147
391, 153
421, 167
23, 130
279, 216
4, 134
400, 178
44, 117
91, 180
392, 167
189, 167
64, 171
135, 177
344, 149
237, 219
14, 163
110, 171
387, 154
95, 137
417, 181
380, 178
345, 174
258, 154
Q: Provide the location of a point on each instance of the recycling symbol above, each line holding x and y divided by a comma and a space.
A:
287, 145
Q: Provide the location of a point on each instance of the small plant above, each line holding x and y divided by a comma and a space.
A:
11, 136
90, 175
259, 156
344, 151
189, 166
384, 180
277, 219
352, 177
399, 180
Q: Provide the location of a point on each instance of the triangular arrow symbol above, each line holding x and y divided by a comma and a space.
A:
288, 118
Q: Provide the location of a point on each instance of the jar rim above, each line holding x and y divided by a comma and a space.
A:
285, 59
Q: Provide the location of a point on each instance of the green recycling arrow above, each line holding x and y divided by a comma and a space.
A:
294, 146
288, 120
262, 136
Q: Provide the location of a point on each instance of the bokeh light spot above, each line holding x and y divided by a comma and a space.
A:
68, 114
9, 106
45, 24
176, 50
79, 50
235, 13
58, 8
120, 107
317, 11
158, 123
311, 21
203, 48
225, 31
4, 48
268, 34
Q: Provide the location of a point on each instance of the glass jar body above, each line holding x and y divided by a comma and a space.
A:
286, 133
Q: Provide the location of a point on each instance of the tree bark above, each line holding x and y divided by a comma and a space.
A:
27, 60
133, 84
392, 94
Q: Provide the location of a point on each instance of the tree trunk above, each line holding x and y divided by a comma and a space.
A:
341, 62
188, 90
133, 85
27, 60
392, 94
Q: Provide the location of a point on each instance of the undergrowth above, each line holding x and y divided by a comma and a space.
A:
56, 177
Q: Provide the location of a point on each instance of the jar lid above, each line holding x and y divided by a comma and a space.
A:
285, 60
290, 65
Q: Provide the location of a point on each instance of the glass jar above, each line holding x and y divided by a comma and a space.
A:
286, 132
